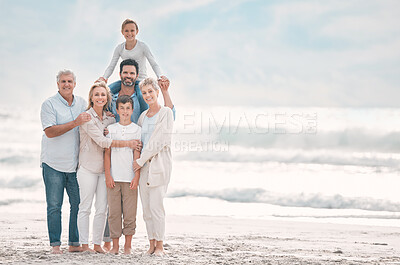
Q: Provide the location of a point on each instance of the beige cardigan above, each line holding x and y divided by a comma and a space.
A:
93, 142
158, 150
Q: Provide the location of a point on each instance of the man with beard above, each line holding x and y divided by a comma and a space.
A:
128, 73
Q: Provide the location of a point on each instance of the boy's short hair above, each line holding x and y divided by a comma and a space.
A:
129, 62
128, 21
124, 99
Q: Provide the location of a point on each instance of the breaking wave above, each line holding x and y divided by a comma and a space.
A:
293, 200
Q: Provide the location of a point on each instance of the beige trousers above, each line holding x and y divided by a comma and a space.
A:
153, 206
122, 201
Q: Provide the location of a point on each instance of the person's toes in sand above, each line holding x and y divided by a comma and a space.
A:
128, 244
114, 250
127, 250
98, 249
86, 248
159, 252
152, 247
56, 250
75, 249
107, 246
150, 251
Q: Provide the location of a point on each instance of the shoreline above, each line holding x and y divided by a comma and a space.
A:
213, 240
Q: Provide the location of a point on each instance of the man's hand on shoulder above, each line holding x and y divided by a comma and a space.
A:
82, 118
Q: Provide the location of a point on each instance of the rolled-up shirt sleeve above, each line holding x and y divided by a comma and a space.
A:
96, 134
47, 115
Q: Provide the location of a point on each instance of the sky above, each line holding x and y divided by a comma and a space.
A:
215, 52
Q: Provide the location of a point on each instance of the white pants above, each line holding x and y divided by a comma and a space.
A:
89, 185
153, 206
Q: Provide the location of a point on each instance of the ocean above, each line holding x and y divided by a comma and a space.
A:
335, 165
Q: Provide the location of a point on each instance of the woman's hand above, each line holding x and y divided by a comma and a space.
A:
110, 114
136, 145
110, 182
163, 83
134, 183
136, 166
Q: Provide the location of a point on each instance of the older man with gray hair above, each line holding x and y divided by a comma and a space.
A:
61, 115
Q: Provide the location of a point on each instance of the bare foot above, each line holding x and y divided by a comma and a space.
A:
127, 250
98, 249
159, 252
114, 250
86, 248
75, 249
150, 251
56, 250
107, 246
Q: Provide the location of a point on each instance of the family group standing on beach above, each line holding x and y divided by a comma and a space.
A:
109, 148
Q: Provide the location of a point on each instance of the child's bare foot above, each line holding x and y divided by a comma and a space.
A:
75, 249
127, 250
56, 250
98, 249
114, 250
107, 246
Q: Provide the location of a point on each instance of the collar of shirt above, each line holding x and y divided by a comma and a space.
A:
64, 101
92, 112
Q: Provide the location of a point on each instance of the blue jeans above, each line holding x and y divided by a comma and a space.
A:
106, 235
55, 182
116, 86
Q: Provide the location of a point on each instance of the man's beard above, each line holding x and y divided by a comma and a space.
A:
124, 81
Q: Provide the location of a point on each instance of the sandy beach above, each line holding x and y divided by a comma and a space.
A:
213, 240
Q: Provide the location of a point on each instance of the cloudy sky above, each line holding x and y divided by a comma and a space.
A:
216, 52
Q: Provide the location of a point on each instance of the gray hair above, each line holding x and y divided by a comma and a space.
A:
149, 81
65, 72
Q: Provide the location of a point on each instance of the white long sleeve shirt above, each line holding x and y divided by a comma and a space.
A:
139, 53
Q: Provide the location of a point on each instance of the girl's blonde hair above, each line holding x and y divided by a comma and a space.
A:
99, 84
128, 21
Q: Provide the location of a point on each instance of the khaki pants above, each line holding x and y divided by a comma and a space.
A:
122, 200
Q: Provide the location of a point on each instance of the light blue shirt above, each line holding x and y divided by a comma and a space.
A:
61, 152
139, 105
148, 127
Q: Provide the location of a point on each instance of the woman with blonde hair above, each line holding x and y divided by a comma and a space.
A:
155, 162
90, 174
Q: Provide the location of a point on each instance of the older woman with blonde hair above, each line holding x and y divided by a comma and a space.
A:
155, 162
90, 175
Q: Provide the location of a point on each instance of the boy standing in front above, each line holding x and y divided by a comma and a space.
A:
121, 180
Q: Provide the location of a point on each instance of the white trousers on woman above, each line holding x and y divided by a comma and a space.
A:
153, 206
89, 185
